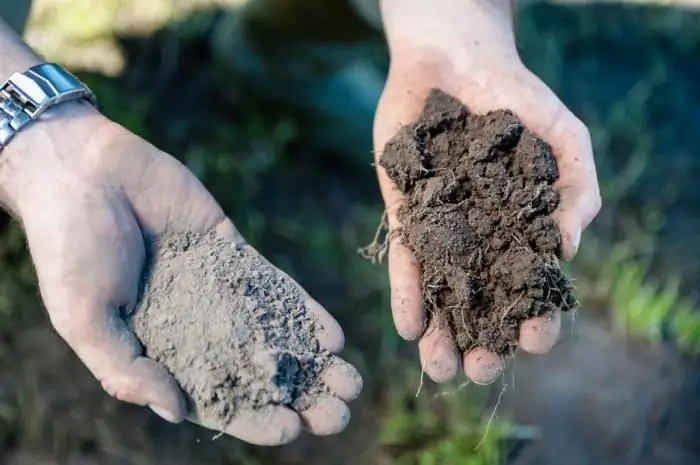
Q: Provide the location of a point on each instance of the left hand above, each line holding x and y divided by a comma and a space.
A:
476, 61
89, 195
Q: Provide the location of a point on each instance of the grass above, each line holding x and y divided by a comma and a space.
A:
308, 214
440, 427
653, 309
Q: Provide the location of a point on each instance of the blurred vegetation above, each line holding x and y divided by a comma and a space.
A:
308, 210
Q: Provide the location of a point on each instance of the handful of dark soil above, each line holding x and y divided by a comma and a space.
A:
477, 218
232, 329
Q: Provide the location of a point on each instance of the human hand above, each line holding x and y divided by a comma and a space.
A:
88, 193
466, 49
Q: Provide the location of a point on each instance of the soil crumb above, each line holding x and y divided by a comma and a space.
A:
477, 218
232, 329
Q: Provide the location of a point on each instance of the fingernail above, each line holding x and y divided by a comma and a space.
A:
165, 414
575, 240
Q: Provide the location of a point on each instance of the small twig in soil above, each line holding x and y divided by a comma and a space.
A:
511, 306
377, 249
477, 251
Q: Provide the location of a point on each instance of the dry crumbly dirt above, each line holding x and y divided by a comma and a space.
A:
479, 196
231, 328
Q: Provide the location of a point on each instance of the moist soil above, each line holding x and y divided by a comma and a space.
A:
232, 329
479, 196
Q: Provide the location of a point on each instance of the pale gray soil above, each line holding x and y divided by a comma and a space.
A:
231, 328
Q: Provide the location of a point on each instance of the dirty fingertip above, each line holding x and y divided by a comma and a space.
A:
343, 380
146, 382
481, 366
328, 415
538, 335
409, 321
438, 356
328, 331
270, 426
409, 329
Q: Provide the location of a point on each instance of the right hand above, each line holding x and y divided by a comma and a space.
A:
87, 193
467, 50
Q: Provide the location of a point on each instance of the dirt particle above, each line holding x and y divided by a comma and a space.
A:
477, 217
232, 329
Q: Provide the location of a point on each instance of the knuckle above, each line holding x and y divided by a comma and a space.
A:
580, 130
116, 388
110, 387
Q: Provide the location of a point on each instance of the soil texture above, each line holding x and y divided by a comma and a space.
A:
479, 196
231, 328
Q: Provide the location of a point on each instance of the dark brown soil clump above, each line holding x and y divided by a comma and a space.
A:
477, 218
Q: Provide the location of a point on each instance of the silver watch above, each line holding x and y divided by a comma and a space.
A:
25, 96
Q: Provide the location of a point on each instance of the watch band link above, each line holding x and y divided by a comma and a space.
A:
25, 96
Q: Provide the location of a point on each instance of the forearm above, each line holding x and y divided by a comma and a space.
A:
15, 55
448, 25
38, 149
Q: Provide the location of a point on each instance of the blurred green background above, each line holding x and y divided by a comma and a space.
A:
273, 112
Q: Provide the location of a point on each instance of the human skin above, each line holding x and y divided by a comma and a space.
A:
467, 49
88, 193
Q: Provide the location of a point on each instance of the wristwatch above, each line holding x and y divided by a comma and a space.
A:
25, 96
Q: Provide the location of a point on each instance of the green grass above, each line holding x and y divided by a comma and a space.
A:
440, 427
649, 308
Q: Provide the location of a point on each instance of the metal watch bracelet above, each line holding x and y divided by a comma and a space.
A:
25, 96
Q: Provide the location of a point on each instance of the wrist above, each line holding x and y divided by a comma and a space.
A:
449, 31
45, 150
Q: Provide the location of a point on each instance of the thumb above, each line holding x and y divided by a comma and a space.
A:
103, 342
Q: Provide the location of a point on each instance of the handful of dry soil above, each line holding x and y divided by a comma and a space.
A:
231, 328
479, 195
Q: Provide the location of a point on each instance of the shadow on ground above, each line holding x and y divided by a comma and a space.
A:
630, 72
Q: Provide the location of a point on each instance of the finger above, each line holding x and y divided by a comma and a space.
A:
482, 366
571, 145
328, 415
575, 212
343, 380
406, 300
538, 335
401, 103
438, 354
112, 353
404, 273
328, 331
269, 426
